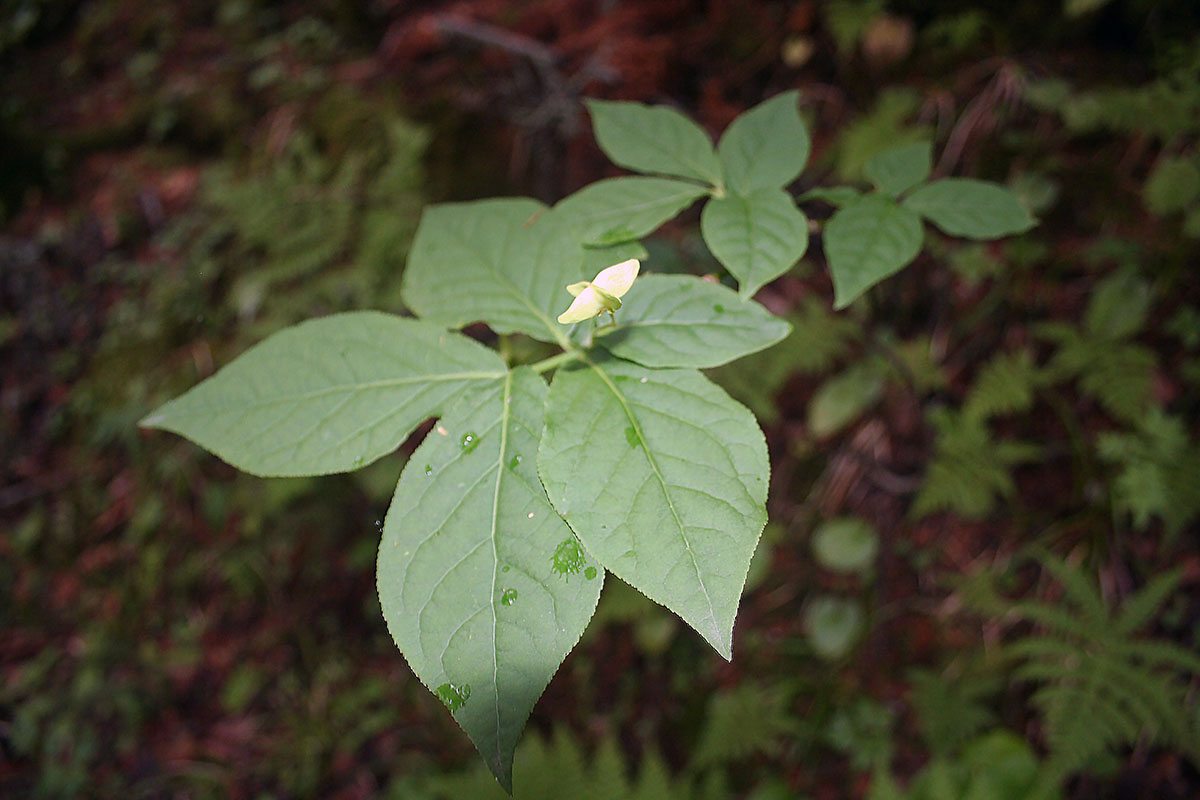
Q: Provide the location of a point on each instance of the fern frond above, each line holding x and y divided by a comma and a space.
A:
1054, 617
747, 720
1159, 471
950, 711
1162, 654
1138, 608
1098, 687
1003, 386
1076, 588
969, 470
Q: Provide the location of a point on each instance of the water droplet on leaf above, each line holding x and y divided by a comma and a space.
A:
590, 573
509, 597
719, 309
453, 696
632, 437
470, 441
428, 469
516, 460
568, 558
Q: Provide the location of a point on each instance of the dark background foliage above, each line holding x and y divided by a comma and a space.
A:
178, 180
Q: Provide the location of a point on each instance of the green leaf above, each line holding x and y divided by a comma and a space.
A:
757, 238
867, 241
664, 479
620, 209
483, 586
654, 139
970, 208
597, 258
327, 395
505, 262
1118, 305
682, 321
766, 147
846, 544
899, 169
841, 399
832, 624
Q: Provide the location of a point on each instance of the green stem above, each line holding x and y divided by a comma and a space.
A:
505, 348
550, 363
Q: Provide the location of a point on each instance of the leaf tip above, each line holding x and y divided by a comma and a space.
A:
152, 420
503, 776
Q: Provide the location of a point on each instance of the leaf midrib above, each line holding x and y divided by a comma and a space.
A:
345, 387
515, 292
685, 190
504, 418
687, 161
637, 428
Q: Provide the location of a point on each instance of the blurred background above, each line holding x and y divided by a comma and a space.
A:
981, 572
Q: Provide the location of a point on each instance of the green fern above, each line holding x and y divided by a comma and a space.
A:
1159, 471
309, 212
558, 768
1108, 367
970, 470
743, 722
1004, 385
999, 765
1164, 108
951, 709
298, 215
818, 339
1098, 686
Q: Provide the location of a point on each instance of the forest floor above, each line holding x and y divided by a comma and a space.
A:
1011, 423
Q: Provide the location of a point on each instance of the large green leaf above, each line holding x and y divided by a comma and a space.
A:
899, 169
504, 262
664, 479
757, 238
970, 208
766, 147
619, 209
682, 321
483, 586
327, 395
654, 139
866, 241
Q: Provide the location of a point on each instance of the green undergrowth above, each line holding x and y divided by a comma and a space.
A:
175, 628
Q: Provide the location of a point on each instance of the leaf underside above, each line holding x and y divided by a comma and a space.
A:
970, 208
654, 139
682, 321
328, 395
664, 479
483, 586
867, 241
757, 237
766, 147
504, 262
621, 209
